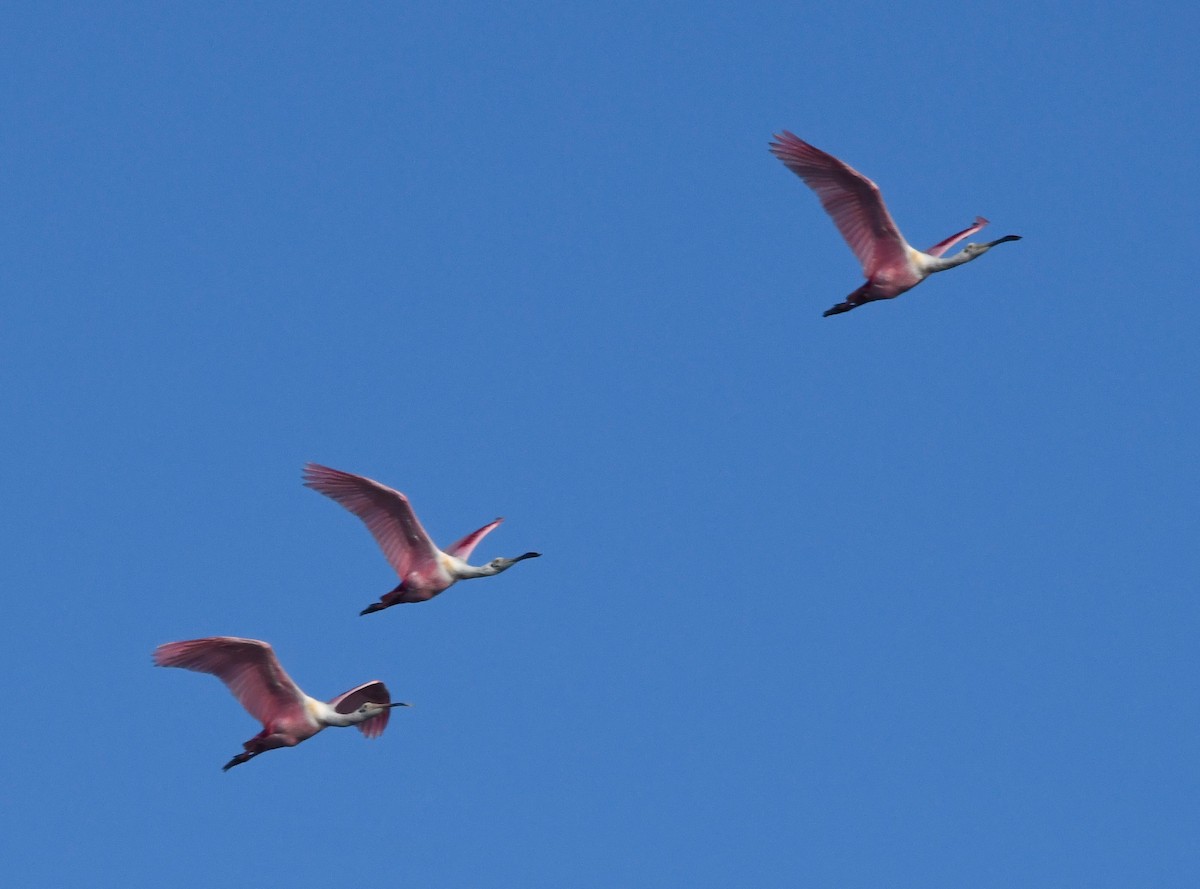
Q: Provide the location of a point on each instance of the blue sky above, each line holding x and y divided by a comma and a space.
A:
904, 597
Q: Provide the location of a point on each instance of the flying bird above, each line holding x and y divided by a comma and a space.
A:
252, 672
891, 266
424, 569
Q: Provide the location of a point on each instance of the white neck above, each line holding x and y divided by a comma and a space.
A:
460, 570
941, 263
324, 714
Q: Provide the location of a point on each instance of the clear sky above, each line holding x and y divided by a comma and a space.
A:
900, 598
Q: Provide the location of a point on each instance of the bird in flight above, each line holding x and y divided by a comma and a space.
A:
891, 266
252, 672
424, 569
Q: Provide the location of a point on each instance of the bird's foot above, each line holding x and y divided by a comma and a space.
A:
238, 760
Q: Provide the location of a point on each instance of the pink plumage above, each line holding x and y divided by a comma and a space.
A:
425, 571
247, 666
386, 513
462, 549
253, 673
853, 201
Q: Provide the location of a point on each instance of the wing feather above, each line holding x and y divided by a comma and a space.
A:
374, 691
851, 199
386, 513
462, 549
247, 666
942, 246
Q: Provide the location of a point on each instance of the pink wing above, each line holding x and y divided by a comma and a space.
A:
247, 666
942, 246
374, 691
851, 199
462, 549
385, 512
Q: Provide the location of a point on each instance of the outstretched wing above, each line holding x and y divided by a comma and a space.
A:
942, 246
373, 691
385, 512
851, 199
462, 549
247, 666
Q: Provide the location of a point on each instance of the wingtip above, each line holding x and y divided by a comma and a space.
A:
312, 469
785, 139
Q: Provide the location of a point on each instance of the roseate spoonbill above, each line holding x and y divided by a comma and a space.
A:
424, 569
257, 679
889, 263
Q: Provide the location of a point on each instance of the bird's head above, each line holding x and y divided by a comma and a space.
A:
976, 250
973, 250
370, 709
498, 565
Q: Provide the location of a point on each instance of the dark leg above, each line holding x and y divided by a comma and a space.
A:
862, 295
239, 759
839, 308
392, 597
260, 743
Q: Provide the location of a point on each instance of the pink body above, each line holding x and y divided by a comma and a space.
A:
424, 569
890, 265
252, 672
